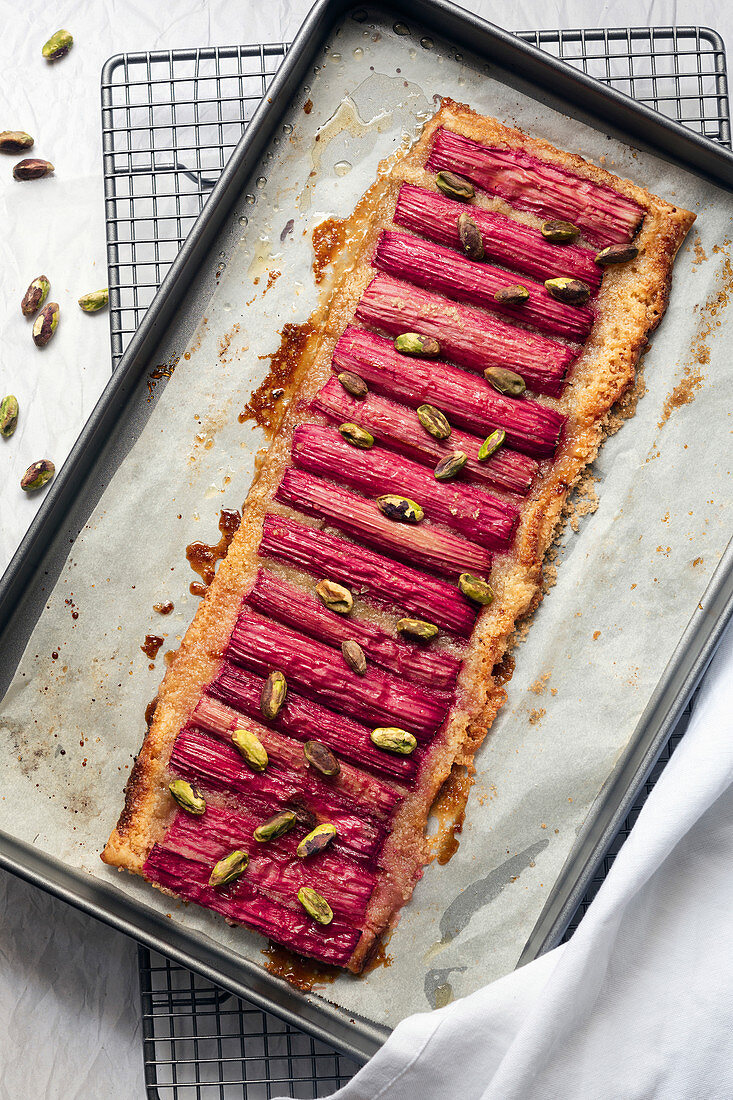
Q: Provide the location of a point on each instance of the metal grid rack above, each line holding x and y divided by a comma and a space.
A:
170, 121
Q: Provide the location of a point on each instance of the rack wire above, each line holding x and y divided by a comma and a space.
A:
170, 121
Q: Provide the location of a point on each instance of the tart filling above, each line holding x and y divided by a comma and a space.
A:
343, 659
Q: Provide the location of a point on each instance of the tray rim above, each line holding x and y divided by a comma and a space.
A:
355, 1037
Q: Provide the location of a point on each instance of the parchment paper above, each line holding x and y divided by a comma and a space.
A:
629, 581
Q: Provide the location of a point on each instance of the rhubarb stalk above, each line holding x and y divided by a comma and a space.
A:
440, 269
604, 216
468, 336
426, 545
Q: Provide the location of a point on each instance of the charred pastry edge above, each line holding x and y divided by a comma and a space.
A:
631, 303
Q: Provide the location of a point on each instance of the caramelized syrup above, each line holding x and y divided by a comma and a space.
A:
329, 239
204, 559
264, 406
304, 974
449, 808
150, 711
151, 645
163, 608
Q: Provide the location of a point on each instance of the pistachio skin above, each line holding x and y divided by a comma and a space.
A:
414, 343
35, 296
560, 232
187, 796
46, 324
273, 695
15, 141
57, 46
37, 475
32, 169
229, 868
95, 300
315, 905
316, 841
354, 656
320, 757
8, 415
275, 826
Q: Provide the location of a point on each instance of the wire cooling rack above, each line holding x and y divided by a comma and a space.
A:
170, 121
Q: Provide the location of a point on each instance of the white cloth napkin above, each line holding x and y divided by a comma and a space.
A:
639, 1003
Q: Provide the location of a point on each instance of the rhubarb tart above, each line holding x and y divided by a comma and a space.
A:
490, 306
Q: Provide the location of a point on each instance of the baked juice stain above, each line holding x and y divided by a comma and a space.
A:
377, 957
329, 238
163, 608
449, 808
150, 711
164, 370
302, 973
265, 406
151, 645
204, 558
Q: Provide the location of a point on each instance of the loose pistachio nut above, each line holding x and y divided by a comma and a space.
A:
8, 415
35, 296
559, 232
321, 758
491, 444
417, 628
251, 748
37, 475
414, 343
275, 826
512, 295
273, 695
32, 169
617, 254
455, 186
15, 141
505, 381
57, 46
95, 300
356, 436
354, 656
187, 796
316, 840
434, 421
46, 324
470, 237
315, 905
450, 466
400, 508
353, 384
393, 739
572, 291
335, 596
229, 868
475, 589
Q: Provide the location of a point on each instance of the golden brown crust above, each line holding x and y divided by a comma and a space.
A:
630, 304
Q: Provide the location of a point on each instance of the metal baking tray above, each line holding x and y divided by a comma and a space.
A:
166, 328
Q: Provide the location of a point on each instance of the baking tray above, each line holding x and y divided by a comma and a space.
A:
103, 443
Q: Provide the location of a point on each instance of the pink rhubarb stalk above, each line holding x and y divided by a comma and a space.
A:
290, 605
604, 216
468, 336
243, 903
505, 240
427, 546
471, 512
322, 674
466, 400
447, 272
305, 720
400, 430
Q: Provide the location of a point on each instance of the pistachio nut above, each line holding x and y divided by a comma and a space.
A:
251, 748
275, 826
356, 436
15, 141
273, 695
353, 384
491, 444
315, 905
354, 656
57, 46
470, 237
617, 254
572, 291
400, 508
393, 739
417, 628
8, 415
229, 868
46, 324
31, 169
414, 343
560, 232
475, 589
94, 300
455, 186
321, 758
512, 295
187, 796
35, 296
450, 466
37, 475
335, 596
434, 421
316, 840
505, 381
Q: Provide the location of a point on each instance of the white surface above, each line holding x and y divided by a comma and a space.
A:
52, 993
